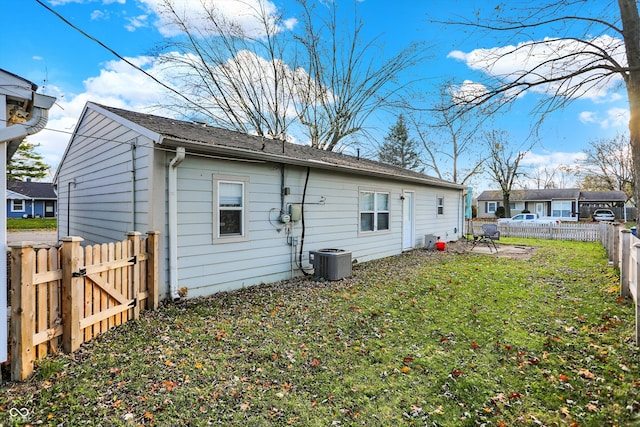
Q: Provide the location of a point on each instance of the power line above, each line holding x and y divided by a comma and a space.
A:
113, 52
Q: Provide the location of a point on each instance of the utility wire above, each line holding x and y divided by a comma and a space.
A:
113, 52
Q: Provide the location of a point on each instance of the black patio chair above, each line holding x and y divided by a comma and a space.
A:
489, 235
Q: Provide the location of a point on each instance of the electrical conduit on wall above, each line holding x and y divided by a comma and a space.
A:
173, 221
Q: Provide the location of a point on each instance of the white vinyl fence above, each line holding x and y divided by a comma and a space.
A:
623, 249
564, 231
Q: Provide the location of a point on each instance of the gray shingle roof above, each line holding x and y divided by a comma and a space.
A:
603, 196
216, 140
33, 190
555, 194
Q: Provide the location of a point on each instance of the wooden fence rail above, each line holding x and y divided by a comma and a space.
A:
62, 297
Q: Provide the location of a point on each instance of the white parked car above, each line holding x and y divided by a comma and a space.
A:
603, 215
527, 218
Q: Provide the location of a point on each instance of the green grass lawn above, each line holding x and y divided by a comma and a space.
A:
20, 224
425, 339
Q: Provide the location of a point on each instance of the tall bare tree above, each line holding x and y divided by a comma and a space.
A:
608, 165
348, 78
587, 52
229, 74
561, 176
451, 136
503, 164
316, 76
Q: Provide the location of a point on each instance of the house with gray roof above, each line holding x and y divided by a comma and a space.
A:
237, 210
565, 204
28, 199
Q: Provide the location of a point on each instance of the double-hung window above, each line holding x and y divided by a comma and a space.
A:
440, 205
17, 205
230, 208
374, 211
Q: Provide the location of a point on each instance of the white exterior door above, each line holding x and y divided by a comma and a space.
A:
408, 226
540, 210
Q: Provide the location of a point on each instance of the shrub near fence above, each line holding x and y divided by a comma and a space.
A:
563, 231
62, 297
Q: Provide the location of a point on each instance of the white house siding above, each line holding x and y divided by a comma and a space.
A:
331, 216
99, 170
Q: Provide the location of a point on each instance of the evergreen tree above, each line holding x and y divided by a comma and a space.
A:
398, 150
26, 163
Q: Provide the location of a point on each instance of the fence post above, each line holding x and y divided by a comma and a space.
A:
625, 261
610, 243
615, 244
636, 287
23, 309
72, 286
134, 279
152, 269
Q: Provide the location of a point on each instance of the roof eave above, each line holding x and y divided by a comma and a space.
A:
275, 158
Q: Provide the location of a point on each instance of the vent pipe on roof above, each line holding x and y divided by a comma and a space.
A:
173, 221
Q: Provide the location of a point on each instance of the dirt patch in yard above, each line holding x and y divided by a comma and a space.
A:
506, 251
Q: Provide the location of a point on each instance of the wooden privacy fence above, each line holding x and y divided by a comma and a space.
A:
623, 249
62, 297
563, 231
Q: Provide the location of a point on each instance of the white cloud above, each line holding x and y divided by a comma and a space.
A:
242, 12
139, 21
618, 117
550, 58
97, 15
588, 117
552, 160
468, 92
614, 117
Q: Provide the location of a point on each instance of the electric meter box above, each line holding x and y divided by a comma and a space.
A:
295, 211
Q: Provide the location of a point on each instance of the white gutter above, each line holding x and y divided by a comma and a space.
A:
173, 221
10, 138
37, 122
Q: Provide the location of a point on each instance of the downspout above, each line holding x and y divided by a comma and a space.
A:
173, 222
134, 144
69, 184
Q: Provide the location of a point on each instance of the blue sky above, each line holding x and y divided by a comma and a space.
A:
42, 48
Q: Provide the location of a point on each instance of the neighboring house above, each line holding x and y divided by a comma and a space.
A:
237, 210
27, 199
24, 112
560, 203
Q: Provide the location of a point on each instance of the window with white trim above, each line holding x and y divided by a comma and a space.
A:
230, 208
492, 207
561, 209
17, 205
374, 211
440, 205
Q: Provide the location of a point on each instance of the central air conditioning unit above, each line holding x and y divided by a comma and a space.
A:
331, 264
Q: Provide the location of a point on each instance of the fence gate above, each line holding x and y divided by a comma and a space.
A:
75, 293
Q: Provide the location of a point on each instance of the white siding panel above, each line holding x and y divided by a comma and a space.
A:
95, 181
101, 209
331, 217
